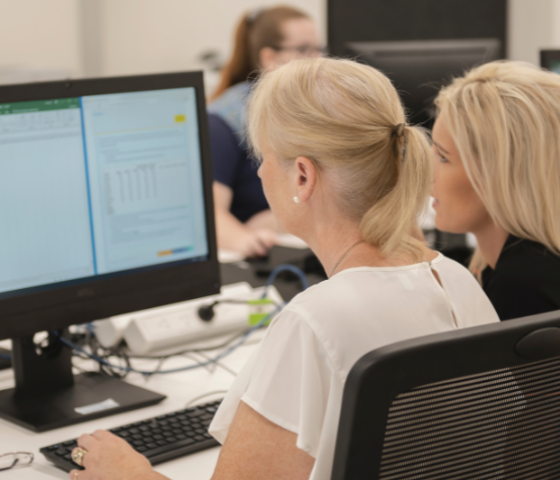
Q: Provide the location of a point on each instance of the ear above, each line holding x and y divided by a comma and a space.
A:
267, 58
306, 178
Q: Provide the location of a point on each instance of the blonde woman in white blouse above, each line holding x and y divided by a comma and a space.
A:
342, 170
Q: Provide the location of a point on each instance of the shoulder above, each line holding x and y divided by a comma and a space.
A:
472, 305
230, 107
526, 281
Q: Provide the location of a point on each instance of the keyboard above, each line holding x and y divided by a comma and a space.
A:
159, 439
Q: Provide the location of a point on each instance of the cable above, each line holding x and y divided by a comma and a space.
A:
285, 267
218, 364
129, 368
204, 395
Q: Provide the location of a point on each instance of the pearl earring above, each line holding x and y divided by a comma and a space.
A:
296, 200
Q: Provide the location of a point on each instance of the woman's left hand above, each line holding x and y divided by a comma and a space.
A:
109, 457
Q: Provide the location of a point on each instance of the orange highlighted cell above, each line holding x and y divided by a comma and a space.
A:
164, 253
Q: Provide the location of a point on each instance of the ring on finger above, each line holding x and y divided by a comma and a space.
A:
76, 475
78, 456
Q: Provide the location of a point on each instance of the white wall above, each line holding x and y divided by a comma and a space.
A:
116, 37
161, 35
40, 34
533, 25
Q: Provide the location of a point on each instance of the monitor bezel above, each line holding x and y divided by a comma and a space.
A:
548, 56
101, 298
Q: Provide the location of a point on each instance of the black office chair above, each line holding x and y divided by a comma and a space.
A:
478, 403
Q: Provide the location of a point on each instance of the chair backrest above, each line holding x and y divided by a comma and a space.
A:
477, 403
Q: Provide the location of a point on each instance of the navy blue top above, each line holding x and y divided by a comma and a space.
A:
235, 168
526, 280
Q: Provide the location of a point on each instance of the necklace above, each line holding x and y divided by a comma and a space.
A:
344, 256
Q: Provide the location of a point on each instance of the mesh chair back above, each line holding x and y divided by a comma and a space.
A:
478, 403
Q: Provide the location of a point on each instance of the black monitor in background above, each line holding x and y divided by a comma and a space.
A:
105, 208
550, 59
418, 69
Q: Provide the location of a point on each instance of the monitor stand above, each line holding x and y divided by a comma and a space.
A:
47, 395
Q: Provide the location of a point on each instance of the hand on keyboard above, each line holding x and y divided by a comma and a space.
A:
110, 457
158, 439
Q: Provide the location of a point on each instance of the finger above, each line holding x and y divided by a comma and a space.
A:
101, 435
75, 475
87, 442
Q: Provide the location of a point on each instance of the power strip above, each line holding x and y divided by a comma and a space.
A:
178, 324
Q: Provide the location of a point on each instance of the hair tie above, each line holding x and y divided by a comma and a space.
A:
398, 131
254, 14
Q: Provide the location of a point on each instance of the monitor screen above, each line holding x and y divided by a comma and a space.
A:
97, 186
550, 59
418, 69
555, 66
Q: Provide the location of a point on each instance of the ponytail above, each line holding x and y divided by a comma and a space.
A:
391, 224
241, 65
256, 30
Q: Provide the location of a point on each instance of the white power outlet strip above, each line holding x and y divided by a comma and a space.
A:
178, 324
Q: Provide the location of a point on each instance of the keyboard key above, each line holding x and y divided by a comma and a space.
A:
134, 430
207, 416
181, 436
171, 439
68, 457
161, 442
141, 449
138, 443
158, 437
151, 445
61, 452
70, 443
137, 436
200, 431
199, 438
52, 448
115, 430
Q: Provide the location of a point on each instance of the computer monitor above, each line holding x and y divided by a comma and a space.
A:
550, 59
105, 208
418, 69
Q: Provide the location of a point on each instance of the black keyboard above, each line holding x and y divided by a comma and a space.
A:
159, 439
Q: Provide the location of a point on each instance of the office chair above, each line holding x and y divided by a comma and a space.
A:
477, 403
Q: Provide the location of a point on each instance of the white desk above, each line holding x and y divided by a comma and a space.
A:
180, 389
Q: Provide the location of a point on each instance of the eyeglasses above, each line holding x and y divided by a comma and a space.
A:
304, 50
12, 459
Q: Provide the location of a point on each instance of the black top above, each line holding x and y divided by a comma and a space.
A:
526, 280
235, 168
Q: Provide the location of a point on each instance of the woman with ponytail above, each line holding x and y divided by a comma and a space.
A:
264, 40
343, 170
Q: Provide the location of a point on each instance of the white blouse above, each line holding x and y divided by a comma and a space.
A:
296, 377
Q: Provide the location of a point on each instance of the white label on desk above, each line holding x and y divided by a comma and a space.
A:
97, 407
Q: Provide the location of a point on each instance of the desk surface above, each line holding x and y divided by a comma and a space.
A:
180, 388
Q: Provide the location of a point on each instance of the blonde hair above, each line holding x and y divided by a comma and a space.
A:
504, 118
345, 117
